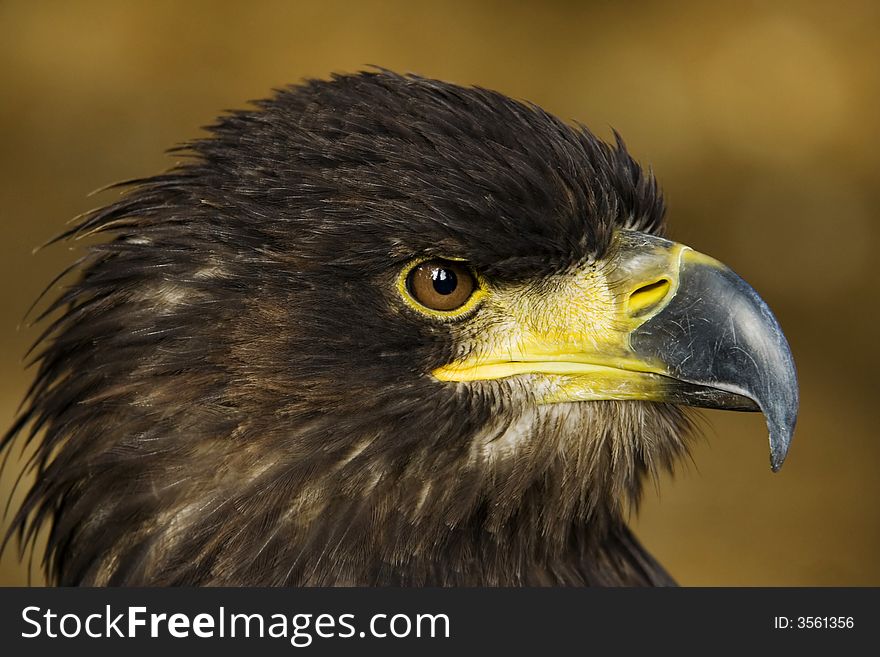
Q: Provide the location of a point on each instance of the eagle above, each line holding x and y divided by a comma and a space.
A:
381, 330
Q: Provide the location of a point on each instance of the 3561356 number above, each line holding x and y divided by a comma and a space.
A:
825, 622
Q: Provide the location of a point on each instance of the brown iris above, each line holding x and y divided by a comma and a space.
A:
441, 284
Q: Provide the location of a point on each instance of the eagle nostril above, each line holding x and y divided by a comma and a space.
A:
647, 297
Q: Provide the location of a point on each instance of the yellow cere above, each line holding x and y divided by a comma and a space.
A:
647, 297
697, 258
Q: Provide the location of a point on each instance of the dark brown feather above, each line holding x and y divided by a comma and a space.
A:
229, 394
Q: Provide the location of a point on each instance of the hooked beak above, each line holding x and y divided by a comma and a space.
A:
675, 326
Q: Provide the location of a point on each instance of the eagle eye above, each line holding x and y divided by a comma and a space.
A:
441, 285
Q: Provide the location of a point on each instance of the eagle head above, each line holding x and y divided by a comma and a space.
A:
382, 330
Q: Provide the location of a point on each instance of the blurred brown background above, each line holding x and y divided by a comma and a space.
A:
760, 119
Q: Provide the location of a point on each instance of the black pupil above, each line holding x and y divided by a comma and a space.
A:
445, 280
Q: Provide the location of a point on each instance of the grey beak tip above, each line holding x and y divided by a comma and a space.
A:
776, 461
781, 432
